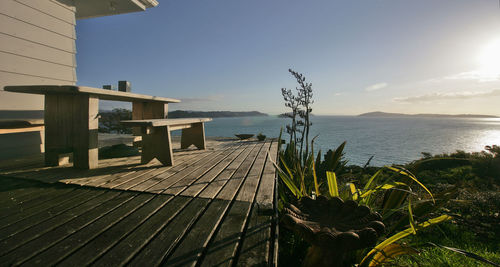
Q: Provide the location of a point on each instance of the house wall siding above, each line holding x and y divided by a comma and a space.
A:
37, 46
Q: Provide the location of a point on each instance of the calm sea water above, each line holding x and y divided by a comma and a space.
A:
389, 140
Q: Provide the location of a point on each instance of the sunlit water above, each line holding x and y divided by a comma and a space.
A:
389, 140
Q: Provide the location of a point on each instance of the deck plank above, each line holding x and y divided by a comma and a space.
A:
265, 196
48, 206
215, 206
19, 238
176, 170
232, 180
111, 256
74, 233
191, 248
15, 204
107, 239
13, 227
177, 185
257, 246
87, 252
131, 174
166, 240
222, 249
196, 186
124, 251
214, 186
153, 253
190, 170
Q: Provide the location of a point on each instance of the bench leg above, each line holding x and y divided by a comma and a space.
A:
193, 136
157, 144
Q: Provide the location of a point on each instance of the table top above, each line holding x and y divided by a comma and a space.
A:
98, 92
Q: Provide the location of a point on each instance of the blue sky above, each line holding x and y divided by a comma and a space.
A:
361, 56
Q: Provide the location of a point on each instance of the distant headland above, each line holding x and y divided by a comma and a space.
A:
424, 115
213, 114
36, 114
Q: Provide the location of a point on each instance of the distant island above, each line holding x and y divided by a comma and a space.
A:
423, 115
38, 114
288, 114
213, 114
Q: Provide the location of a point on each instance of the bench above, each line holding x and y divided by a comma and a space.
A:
156, 139
8, 126
21, 138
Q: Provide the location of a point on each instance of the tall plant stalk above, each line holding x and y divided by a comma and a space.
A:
292, 103
301, 106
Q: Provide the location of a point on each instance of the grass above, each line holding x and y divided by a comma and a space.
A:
451, 235
476, 228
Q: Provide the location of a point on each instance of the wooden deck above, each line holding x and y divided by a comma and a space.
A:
214, 207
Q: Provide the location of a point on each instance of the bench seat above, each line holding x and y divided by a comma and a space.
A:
156, 138
165, 122
8, 126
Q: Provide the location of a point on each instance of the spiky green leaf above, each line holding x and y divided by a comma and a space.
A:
369, 183
331, 178
412, 220
403, 234
408, 174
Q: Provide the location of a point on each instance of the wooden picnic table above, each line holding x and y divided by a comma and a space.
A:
72, 114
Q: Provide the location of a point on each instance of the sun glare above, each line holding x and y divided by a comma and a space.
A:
489, 60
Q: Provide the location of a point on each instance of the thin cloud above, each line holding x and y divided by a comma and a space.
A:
477, 75
375, 87
446, 96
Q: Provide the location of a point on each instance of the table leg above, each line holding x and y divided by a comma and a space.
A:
57, 134
71, 123
85, 128
148, 110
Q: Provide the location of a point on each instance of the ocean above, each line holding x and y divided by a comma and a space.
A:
388, 140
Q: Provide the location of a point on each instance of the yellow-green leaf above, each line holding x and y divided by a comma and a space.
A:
383, 187
410, 214
331, 178
287, 180
403, 234
390, 252
354, 192
316, 186
411, 176
368, 184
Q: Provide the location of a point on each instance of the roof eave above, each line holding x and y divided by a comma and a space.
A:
99, 8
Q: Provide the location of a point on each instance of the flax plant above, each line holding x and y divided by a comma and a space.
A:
300, 105
394, 183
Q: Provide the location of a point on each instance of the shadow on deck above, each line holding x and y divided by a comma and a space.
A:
213, 207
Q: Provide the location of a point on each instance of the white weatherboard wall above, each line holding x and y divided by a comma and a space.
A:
37, 46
